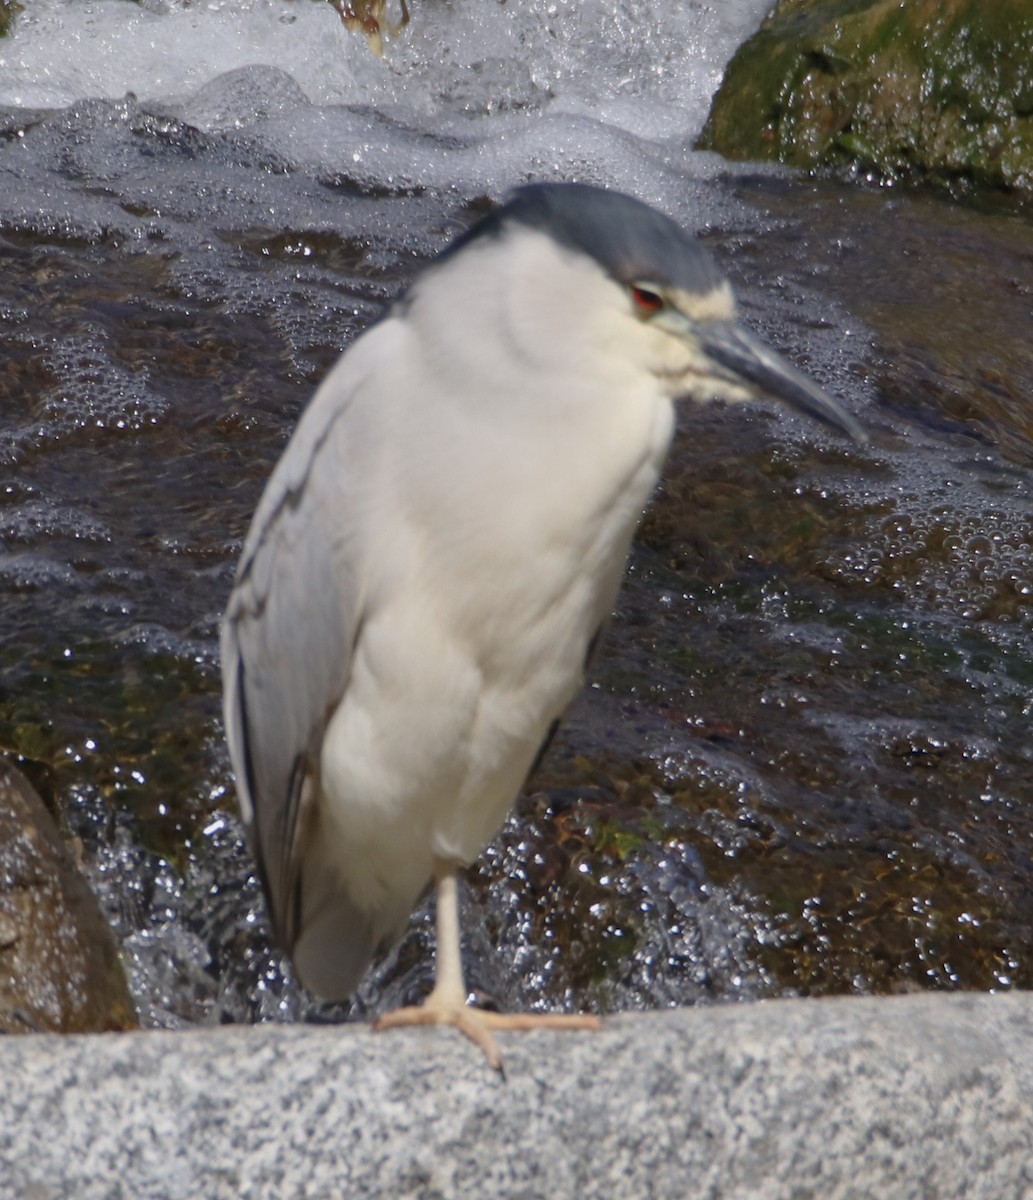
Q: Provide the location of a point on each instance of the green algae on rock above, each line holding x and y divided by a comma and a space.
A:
9, 9
931, 89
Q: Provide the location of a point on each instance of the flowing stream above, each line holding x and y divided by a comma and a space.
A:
802, 765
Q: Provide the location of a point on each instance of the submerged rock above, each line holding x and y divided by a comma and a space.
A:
59, 964
932, 88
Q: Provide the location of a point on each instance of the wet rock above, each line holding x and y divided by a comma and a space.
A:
59, 965
932, 88
9, 9
370, 18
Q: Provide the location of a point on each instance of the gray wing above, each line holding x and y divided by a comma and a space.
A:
287, 642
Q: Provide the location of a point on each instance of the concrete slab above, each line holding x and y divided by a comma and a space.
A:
927, 1095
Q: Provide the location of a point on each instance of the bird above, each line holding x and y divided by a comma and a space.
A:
437, 551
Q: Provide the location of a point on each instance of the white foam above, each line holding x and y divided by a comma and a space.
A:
649, 68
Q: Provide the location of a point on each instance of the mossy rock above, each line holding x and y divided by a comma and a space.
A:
930, 88
9, 9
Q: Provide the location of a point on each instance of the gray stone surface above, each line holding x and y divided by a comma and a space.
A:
918, 1096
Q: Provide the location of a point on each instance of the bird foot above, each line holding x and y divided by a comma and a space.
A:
478, 1024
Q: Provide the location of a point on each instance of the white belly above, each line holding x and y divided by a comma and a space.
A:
473, 643
434, 738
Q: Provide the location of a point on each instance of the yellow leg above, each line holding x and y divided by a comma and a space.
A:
446, 1004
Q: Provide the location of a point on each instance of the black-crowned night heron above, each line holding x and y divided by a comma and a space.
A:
437, 550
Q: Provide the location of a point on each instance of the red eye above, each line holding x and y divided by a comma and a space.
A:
647, 300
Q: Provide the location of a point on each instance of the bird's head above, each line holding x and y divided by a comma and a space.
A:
574, 272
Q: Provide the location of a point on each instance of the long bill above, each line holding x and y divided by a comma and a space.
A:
745, 357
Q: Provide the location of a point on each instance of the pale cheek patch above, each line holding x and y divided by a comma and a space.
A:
706, 388
716, 305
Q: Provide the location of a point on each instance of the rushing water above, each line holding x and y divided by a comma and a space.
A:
802, 763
